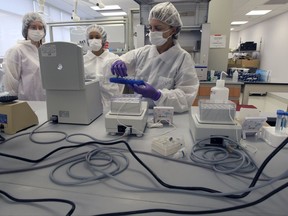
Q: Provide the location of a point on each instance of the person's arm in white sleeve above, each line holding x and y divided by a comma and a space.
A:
182, 96
12, 71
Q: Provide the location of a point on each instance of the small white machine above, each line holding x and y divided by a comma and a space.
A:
163, 114
69, 98
214, 119
128, 112
252, 125
273, 138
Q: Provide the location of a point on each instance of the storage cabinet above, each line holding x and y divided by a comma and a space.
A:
205, 89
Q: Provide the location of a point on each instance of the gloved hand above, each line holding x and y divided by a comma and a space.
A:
119, 68
147, 91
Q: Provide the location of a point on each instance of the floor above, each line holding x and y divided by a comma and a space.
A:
269, 103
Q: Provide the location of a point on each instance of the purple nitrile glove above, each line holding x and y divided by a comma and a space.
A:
147, 91
119, 68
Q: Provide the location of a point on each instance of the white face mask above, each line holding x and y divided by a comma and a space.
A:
156, 38
95, 44
35, 35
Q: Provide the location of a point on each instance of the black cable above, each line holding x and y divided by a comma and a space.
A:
44, 157
154, 175
214, 211
254, 181
171, 186
73, 206
263, 165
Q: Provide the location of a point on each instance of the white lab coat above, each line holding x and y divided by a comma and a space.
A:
99, 67
22, 72
172, 73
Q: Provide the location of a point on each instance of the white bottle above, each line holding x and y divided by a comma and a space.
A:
219, 93
235, 76
212, 77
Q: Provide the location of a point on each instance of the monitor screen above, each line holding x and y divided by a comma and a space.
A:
61, 65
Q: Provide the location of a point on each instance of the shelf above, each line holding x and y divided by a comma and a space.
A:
245, 51
191, 28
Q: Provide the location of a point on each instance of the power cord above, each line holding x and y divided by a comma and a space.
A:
214, 211
224, 158
255, 179
253, 183
200, 212
72, 204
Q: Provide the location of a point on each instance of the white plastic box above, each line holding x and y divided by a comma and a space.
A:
167, 145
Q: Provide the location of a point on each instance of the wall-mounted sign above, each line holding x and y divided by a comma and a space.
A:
217, 41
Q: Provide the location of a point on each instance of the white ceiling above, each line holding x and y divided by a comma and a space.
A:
85, 12
240, 8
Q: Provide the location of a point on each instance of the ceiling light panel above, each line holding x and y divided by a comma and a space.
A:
107, 7
238, 22
257, 12
114, 13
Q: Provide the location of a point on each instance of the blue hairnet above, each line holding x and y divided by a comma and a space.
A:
28, 19
99, 29
166, 13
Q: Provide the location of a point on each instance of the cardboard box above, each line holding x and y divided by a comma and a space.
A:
231, 63
245, 63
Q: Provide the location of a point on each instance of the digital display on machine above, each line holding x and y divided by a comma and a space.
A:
3, 118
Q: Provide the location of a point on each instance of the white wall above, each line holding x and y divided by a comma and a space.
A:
274, 47
219, 17
234, 40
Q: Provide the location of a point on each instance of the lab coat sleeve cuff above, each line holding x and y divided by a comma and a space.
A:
160, 99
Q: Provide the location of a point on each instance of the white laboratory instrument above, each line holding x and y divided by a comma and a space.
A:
252, 125
163, 114
69, 98
166, 146
16, 116
273, 138
128, 112
214, 119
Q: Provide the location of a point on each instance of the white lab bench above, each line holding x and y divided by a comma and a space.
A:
262, 87
108, 196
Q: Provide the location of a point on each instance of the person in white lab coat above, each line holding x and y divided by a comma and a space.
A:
98, 61
21, 63
167, 69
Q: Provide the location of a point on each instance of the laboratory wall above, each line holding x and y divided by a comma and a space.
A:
273, 35
219, 17
234, 41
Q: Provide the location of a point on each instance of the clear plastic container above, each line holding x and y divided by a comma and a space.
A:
212, 112
126, 104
